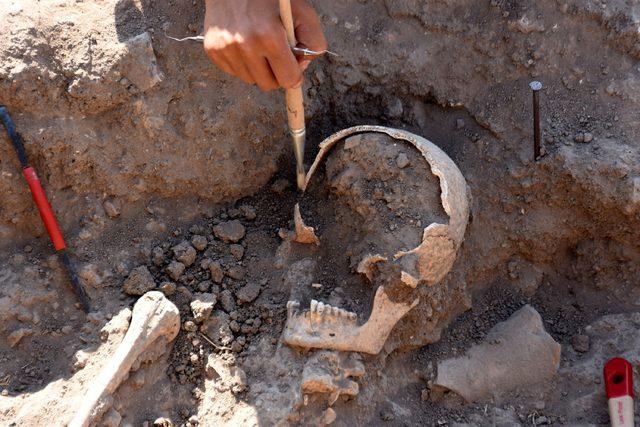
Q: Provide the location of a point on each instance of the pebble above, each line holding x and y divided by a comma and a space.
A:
402, 161
202, 306
185, 253
227, 301
215, 269
230, 231
111, 208
139, 281
5, 392
168, 288
580, 343
328, 417
248, 292
157, 256
193, 420
234, 326
189, 326
162, 422
237, 251
248, 211
204, 286
199, 242
236, 272
175, 269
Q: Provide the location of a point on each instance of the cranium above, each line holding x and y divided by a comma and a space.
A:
396, 271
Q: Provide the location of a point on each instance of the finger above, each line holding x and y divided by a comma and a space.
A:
235, 59
282, 61
222, 63
261, 72
308, 28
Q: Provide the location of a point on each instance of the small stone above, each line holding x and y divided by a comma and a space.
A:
217, 328
139, 282
402, 161
199, 242
580, 343
157, 256
236, 272
236, 347
5, 392
202, 307
459, 124
168, 288
185, 253
193, 420
204, 286
162, 422
248, 292
90, 275
193, 358
424, 394
80, 359
280, 186
237, 251
328, 417
216, 271
227, 301
111, 208
588, 137
189, 326
175, 269
230, 231
248, 211
111, 419
234, 326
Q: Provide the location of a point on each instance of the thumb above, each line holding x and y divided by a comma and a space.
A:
309, 32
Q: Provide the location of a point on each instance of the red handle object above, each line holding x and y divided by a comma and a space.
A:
618, 380
46, 213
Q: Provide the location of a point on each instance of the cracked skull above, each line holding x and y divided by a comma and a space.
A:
384, 212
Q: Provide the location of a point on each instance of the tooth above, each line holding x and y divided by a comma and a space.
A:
296, 304
352, 316
320, 308
335, 311
289, 304
313, 305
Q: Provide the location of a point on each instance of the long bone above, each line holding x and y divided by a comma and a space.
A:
154, 317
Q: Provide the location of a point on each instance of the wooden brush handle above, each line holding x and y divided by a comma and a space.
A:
294, 99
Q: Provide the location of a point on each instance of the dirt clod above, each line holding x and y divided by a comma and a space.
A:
230, 231
139, 281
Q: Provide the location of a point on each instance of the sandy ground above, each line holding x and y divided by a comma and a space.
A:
141, 144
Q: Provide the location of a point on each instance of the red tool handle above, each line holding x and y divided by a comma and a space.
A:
46, 213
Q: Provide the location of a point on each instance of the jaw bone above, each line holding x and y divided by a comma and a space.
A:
154, 317
324, 326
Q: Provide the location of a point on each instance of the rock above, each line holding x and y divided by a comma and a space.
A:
328, 417
229, 231
227, 301
199, 242
111, 208
175, 269
80, 359
580, 343
168, 288
459, 124
139, 282
248, 292
217, 274
402, 161
185, 253
248, 211
515, 353
204, 286
139, 65
237, 251
16, 336
162, 422
157, 256
231, 377
111, 419
202, 307
235, 272
216, 328
189, 326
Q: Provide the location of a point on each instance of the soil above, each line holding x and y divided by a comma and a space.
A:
141, 144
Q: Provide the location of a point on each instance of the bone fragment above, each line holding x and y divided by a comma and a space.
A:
154, 317
312, 329
332, 373
365, 266
304, 233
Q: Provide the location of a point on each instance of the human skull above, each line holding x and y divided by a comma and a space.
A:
382, 256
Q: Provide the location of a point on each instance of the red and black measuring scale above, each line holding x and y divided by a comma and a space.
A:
46, 213
618, 381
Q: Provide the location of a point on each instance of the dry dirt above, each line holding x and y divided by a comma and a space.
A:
141, 145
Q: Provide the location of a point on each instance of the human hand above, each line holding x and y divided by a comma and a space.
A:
246, 38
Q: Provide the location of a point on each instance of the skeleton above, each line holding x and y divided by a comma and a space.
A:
155, 321
327, 327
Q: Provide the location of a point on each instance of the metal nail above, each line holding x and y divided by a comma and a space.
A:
536, 86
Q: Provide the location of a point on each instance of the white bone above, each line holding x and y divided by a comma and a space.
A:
154, 317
